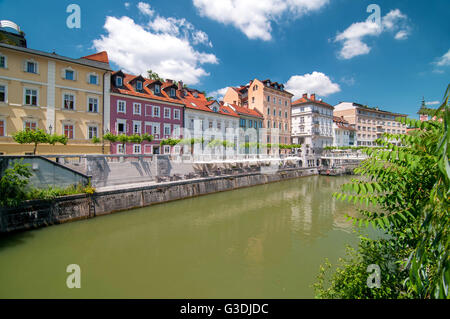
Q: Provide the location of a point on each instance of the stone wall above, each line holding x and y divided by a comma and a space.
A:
34, 214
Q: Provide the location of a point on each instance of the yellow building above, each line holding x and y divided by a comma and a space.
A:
61, 95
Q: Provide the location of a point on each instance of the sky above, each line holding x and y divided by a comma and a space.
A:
387, 54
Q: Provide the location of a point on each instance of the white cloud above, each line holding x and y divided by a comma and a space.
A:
444, 60
144, 8
315, 82
432, 103
136, 49
254, 17
218, 94
350, 81
352, 37
127, 5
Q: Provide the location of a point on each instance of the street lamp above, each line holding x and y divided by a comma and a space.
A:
50, 128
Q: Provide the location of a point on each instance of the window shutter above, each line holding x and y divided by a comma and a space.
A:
24, 65
63, 71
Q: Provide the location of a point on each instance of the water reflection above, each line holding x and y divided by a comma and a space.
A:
260, 242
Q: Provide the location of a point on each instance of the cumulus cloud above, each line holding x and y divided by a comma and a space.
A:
315, 82
352, 37
164, 45
218, 94
255, 17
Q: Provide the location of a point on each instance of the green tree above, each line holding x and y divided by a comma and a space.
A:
404, 190
37, 137
13, 184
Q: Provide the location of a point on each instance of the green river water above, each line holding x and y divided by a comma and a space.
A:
261, 242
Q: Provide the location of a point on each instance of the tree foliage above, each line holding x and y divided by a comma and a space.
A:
404, 190
13, 184
37, 137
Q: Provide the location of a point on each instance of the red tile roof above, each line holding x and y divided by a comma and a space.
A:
305, 100
343, 124
99, 57
202, 104
247, 111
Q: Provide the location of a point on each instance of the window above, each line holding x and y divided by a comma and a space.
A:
120, 149
253, 99
2, 93
156, 130
30, 125
167, 129
274, 112
31, 67
210, 124
68, 131
31, 97
274, 100
250, 123
69, 75
69, 102
92, 132
137, 149
219, 125
176, 114
286, 114
2, 128
268, 111
93, 105
156, 111
279, 113
157, 89
121, 127
119, 81
137, 108
242, 122
172, 92
137, 127
166, 149
139, 85
268, 124
285, 127
176, 130
93, 79
268, 98
167, 113
279, 101
121, 107
2, 61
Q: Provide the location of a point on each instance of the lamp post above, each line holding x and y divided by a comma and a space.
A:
50, 128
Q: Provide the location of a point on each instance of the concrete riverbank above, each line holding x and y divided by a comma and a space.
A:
40, 213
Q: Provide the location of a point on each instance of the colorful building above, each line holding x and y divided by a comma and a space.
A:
40, 90
250, 120
312, 124
272, 101
140, 105
370, 123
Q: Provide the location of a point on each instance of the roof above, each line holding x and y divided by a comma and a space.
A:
242, 110
342, 123
305, 100
200, 103
83, 61
99, 57
128, 89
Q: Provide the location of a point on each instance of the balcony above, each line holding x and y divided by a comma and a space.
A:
316, 122
316, 111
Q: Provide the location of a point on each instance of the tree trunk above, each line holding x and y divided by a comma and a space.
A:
35, 147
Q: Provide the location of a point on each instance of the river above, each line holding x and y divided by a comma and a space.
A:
261, 242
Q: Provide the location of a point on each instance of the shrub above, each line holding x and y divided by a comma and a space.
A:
13, 184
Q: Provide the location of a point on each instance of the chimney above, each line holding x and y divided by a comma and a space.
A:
313, 96
169, 81
180, 85
305, 95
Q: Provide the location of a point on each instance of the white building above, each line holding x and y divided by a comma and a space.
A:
312, 124
343, 133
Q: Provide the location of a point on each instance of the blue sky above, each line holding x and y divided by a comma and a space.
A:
326, 47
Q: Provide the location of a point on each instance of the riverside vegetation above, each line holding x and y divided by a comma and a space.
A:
15, 188
403, 191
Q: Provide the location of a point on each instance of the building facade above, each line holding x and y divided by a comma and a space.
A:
272, 101
251, 124
312, 124
370, 123
143, 106
343, 133
208, 119
57, 94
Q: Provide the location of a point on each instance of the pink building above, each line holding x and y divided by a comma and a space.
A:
140, 105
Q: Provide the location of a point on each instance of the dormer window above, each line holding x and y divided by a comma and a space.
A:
157, 89
139, 85
172, 92
93, 79
119, 81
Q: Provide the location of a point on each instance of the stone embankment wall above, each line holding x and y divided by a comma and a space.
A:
35, 214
